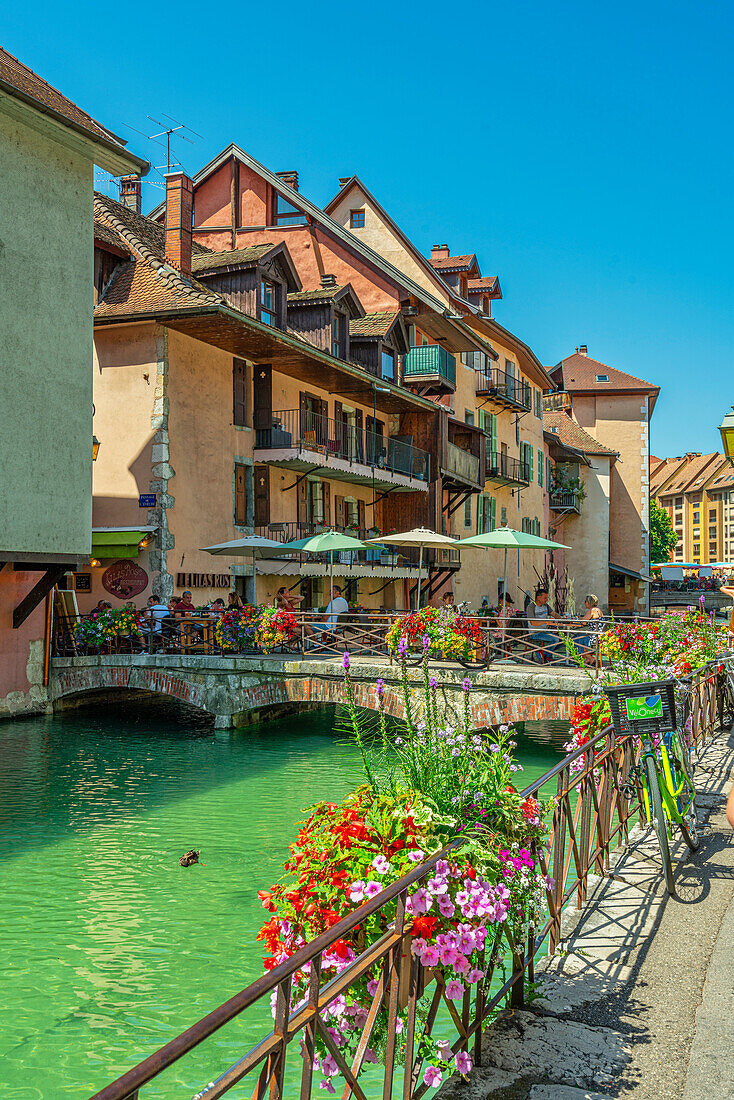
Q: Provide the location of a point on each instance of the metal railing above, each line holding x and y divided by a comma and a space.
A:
429, 361
496, 383
461, 463
500, 467
395, 557
565, 500
302, 430
593, 813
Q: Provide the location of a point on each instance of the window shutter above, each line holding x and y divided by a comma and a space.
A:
359, 431
339, 511
493, 514
239, 393
540, 466
530, 456
362, 515
240, 495
302, 501
262, 496
327, 503
480, 513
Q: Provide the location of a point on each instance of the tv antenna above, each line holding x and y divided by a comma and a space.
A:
166, 132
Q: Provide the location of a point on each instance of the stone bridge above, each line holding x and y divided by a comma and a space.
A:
240, 690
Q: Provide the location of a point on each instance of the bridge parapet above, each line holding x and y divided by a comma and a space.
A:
238, 690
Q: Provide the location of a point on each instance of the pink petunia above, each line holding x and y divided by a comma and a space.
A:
454, 990
356, 891
432, 1077
474, 975
463, 1062
430, 956
371, 889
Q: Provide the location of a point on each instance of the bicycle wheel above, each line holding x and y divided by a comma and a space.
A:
681, 758
659, 822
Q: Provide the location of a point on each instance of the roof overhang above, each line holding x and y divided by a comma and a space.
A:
107, 153
560, 451
635, 574
247, 338
529, 363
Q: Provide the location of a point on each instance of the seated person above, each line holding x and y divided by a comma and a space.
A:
217, 606
185, 606
337, 606
154, 614
287, 601
447, 601
596, 623
504, 614
539, 614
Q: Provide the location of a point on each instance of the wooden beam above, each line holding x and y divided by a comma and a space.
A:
38, 593
234, 180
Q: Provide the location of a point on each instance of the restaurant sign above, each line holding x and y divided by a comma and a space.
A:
203, 580
124, 579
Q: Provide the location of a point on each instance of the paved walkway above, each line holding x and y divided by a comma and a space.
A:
641, 1004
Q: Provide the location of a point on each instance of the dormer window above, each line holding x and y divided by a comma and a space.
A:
286, 213
268, 303
338, 336
356, 219
602, 377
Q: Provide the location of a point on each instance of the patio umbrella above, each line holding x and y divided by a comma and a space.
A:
509, 539
254, 546
421, 537
326, 542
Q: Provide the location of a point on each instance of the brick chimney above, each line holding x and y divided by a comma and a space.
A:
179, 211
291, 178
582, 349
440, 252
130, 192
344, 180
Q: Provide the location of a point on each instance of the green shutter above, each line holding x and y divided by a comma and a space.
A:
493, 430
530, 449
480, 513
540, 466
493, 514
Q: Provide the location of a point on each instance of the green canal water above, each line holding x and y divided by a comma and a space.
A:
108, 947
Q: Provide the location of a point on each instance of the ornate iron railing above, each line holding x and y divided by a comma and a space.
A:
592, 814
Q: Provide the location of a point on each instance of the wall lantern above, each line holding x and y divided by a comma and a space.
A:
95, 448
95, 561
727, 435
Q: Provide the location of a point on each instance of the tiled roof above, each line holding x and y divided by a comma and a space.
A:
210, 261
691, 474
487, 284
319, 294
373, 324
16, 78
146, 284
664, 471
572, 434
580, 371
454, 263
104, 233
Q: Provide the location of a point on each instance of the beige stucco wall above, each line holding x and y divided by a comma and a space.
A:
45, 344
588, 535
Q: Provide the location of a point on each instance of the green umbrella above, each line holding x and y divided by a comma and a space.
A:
508, 538
326, 542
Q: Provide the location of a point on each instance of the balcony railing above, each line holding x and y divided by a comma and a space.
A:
302, 430
403, 557
429, 361
462, 464
556, 402
505, 470
565, 500
505, 388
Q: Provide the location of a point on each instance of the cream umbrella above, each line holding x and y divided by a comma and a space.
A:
420, 536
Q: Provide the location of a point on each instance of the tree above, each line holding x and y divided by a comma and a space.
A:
662, 536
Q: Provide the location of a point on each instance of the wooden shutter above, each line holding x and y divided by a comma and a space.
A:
493, 430
359, 432
327, 502
339, 511
540, 466
263, 396
530, 456
262, 496
493, 514
239, 392
240, 494
480, 513
361, 515
302, 501
339, 433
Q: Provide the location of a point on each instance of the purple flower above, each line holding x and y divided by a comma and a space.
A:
380, 688
345, 661
403, 646
421, 901
426, 643
433, 683
454, 990
432, 1077
326, 1084
466, 684
372, 888
463, 1062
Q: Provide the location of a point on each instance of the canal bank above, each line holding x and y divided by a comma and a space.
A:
110, 948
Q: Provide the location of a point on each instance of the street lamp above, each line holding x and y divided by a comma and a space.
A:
727, 435
95, 448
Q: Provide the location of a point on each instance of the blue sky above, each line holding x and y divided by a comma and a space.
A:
583, 151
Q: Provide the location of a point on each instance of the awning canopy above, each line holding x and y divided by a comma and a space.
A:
118, 542
631, 572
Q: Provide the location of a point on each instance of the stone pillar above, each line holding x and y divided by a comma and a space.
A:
162, 473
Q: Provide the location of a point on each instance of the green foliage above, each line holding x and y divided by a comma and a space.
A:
662, 536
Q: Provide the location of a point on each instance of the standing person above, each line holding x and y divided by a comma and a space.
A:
447, 601
595, 619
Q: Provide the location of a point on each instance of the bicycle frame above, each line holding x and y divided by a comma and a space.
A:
673, 778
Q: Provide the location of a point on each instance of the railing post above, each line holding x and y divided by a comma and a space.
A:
517, 992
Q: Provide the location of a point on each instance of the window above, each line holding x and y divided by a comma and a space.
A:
286, 213
486, 513
696, 517
388, 364
268, 303
602, 377
351, 512
540, 466
239, 393
337, 336
476, 360
315, 501
526, 526
712, 514
538, 402
468, 417
467, 512
356, 219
